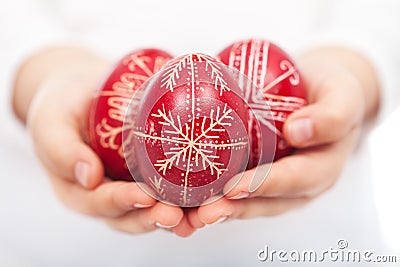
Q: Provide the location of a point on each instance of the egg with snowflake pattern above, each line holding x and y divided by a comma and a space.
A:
107, 110
191, 130
276, 91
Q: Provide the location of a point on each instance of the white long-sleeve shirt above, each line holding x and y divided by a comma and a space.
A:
37, 230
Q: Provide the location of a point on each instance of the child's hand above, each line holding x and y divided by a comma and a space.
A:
52, 94
343, 94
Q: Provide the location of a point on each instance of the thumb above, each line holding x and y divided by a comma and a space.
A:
336, 107
60, 147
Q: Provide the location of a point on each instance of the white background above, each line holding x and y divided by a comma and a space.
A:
37, 230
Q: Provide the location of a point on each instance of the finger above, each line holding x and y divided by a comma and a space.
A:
111, 199
184, 228
56, 133
144, 220
194, 219
308, 172
64, 153
248, 208
336, 106
216, 212
257, 207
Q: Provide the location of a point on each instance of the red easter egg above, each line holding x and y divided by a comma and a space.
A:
277, 81
107, 110
191, 130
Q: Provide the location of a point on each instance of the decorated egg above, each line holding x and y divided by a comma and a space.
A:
275, 90
107, 110
190, 133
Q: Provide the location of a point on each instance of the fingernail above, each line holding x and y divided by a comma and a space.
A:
300, 131
81, 173
240, 195
141, 206
159, 225
233, 182
220, 220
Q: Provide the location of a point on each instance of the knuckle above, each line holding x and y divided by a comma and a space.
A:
80, 208
281, 181
62, 154
33, 127
335, 126
111, 223
297, 177
51, 150
336, 119
261, 181
121, 225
